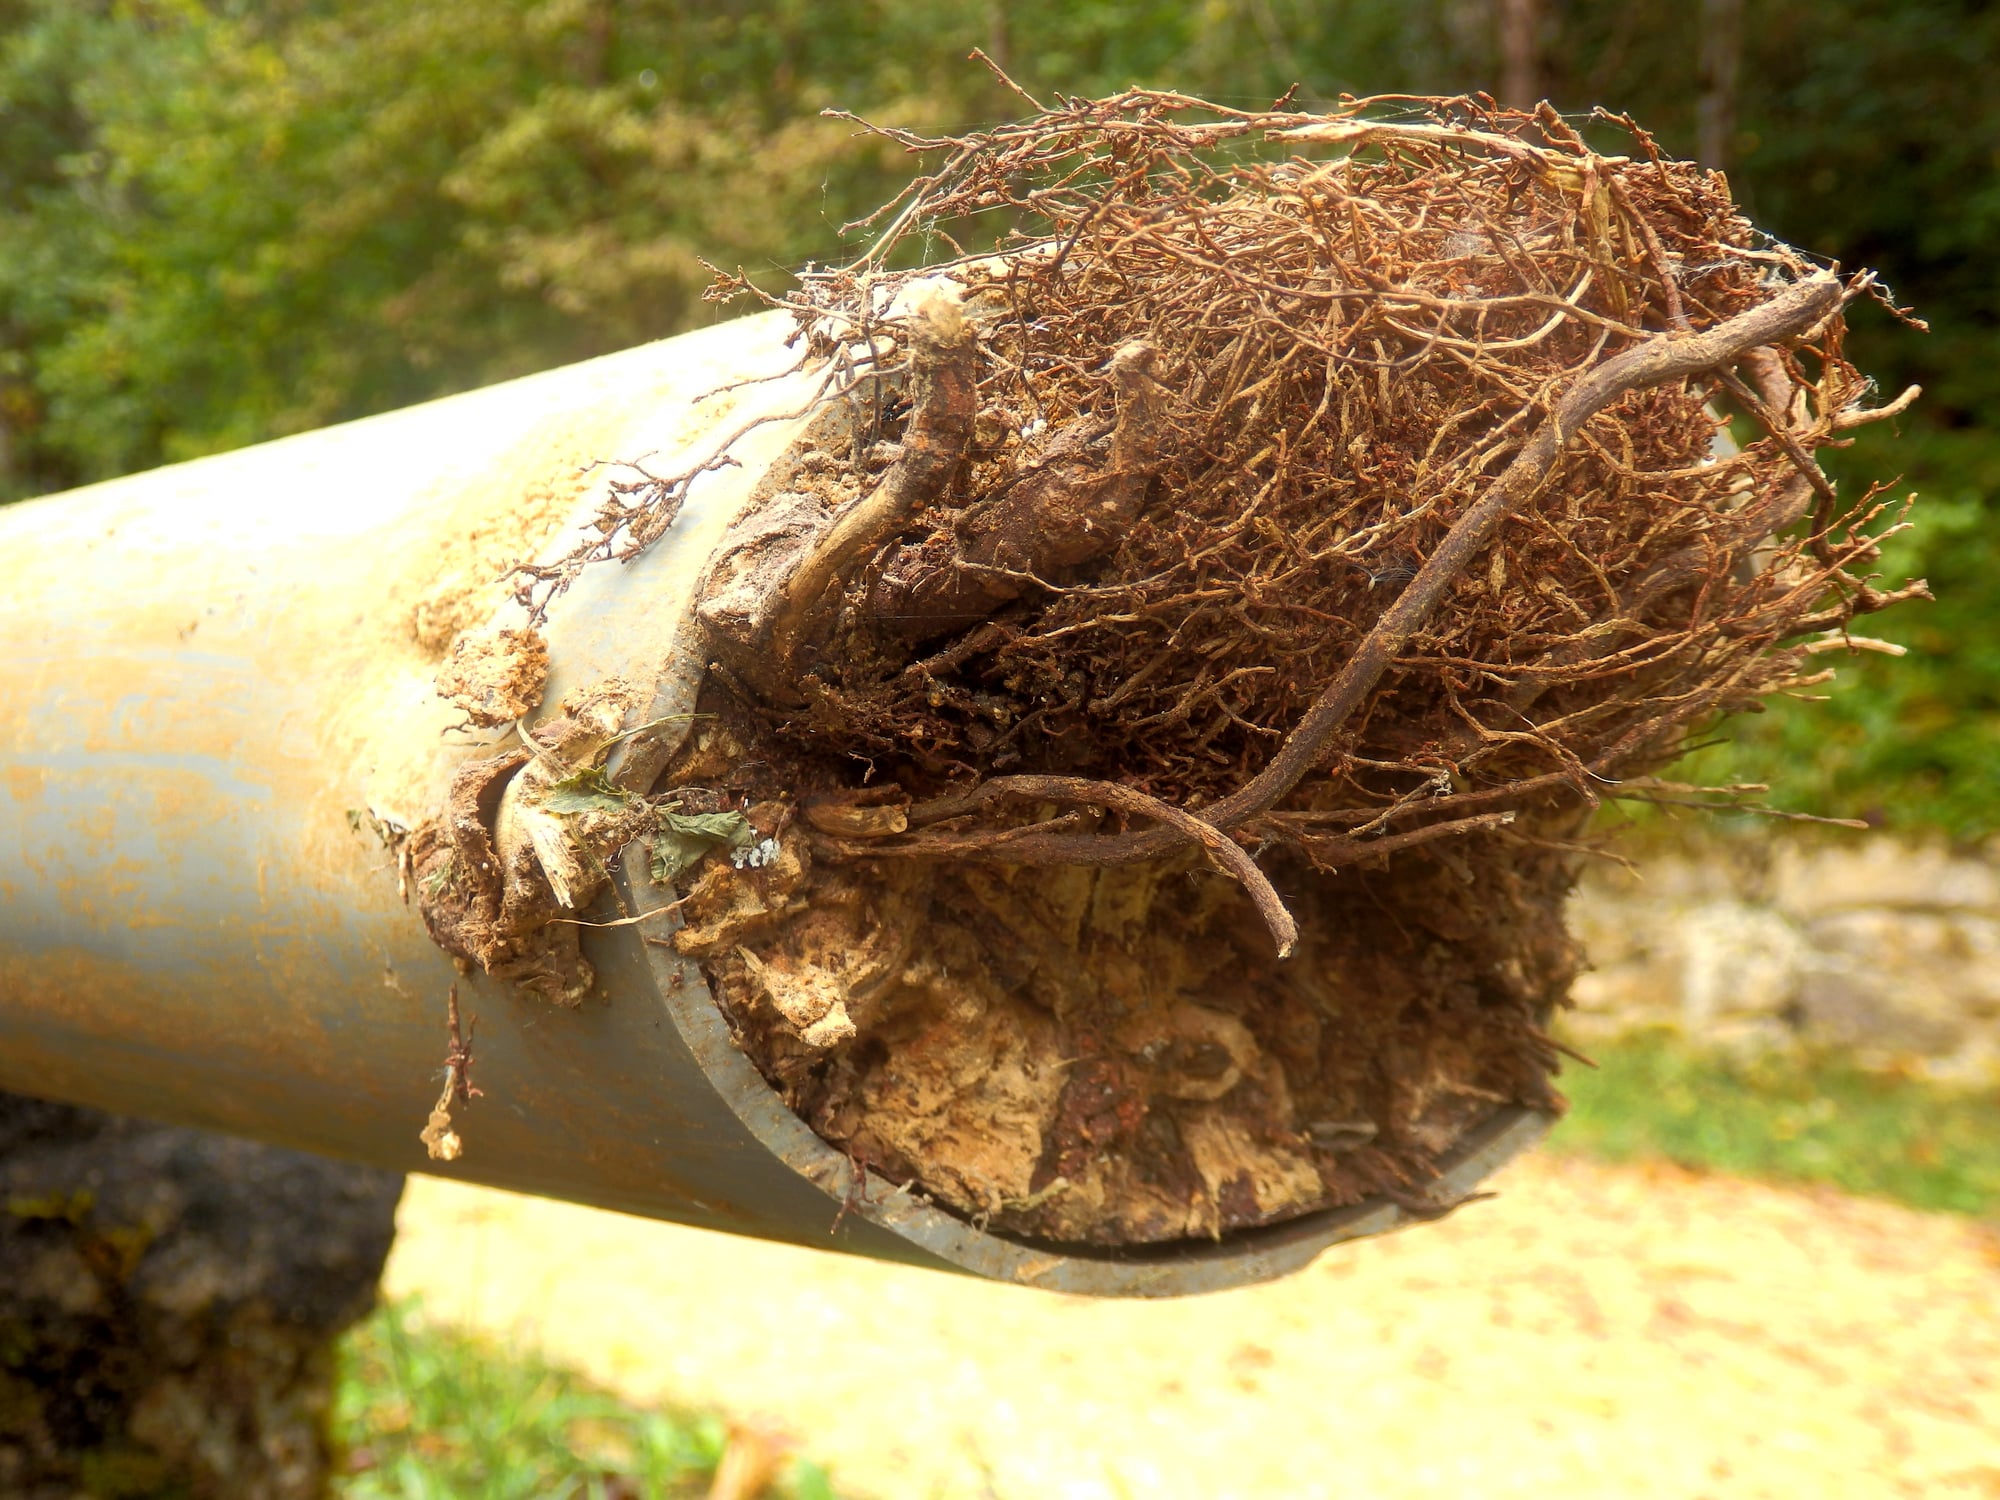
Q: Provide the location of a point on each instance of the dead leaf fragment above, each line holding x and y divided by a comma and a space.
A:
588, 790
682, 839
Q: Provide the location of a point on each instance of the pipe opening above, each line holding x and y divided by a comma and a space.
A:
1147, 715
1115, 1056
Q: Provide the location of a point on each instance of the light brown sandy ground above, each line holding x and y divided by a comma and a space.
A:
1595, 1332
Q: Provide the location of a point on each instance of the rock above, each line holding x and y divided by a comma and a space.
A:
1880, 1012
169, 1301
1895, 982
1633, 980
1737, 961
1888, 949
1807, 881
1979, 954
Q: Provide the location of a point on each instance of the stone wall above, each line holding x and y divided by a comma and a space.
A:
1885, 948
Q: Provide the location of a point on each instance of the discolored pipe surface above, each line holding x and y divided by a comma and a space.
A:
210, 681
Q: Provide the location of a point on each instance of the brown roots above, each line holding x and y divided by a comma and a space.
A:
1408, 458
1343, 502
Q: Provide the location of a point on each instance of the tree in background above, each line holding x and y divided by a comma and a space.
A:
219, 223
223, 220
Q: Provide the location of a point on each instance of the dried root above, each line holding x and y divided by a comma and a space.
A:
1280, 542
440, 1137
1333, 496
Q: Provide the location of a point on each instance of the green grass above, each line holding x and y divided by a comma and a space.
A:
431, 1413
1816, 1120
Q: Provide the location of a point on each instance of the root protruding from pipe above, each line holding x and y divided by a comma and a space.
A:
1336, 504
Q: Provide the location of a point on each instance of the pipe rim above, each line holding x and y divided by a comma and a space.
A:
1179, 1268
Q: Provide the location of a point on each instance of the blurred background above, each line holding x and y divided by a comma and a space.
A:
226, 220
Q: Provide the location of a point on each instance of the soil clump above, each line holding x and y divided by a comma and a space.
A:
1116, 1056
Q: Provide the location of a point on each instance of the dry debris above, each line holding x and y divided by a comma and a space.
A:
495, 676
523, 843
1338, 502
441, 1139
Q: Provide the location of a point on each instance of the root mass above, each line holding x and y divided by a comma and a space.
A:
1278, 544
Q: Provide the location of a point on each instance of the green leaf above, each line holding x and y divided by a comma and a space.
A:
730, 828
586, 791
684, 838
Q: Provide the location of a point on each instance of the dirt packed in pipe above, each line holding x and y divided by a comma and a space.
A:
1116, 1055
1156, 701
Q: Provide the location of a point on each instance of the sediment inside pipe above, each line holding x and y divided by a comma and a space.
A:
1115, 1056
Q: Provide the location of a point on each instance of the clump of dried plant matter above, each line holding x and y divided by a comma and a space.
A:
1424, 413
1342, 500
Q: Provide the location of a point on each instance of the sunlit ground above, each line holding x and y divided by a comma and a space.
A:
1629, 1328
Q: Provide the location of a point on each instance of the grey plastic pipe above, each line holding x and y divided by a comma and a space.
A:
211, 678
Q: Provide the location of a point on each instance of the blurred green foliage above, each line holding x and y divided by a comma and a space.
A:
1787, 1119
223, 220
424, 1412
